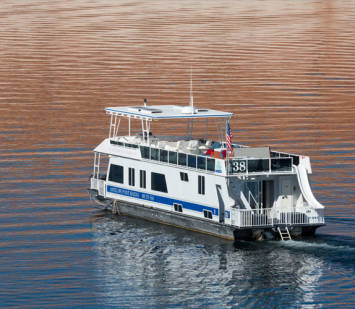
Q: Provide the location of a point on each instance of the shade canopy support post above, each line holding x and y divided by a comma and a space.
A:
117, 126
146, 129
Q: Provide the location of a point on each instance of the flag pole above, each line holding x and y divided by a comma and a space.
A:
226, 132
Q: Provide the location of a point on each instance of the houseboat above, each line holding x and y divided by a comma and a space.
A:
199, 180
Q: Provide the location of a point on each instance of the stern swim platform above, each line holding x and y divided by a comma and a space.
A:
203, 181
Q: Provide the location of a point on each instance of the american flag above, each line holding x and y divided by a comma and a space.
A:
229, 138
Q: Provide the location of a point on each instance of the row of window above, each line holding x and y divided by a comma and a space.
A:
178, 158
206, 213
123, 144
158, 182
261, 165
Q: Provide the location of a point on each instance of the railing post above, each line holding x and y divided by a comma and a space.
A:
272, 220
109, 134
93, 172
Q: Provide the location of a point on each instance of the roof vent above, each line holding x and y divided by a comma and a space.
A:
145, 110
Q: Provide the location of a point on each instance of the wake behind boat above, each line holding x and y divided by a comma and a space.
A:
202, 184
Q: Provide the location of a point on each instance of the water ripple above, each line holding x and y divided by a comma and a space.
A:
287, 71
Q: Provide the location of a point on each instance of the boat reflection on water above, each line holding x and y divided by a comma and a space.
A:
143, 264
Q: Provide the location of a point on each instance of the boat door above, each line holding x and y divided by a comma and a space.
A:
286, 193
268, 193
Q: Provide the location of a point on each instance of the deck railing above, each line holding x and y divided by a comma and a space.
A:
98, 184
277, 163
271, 217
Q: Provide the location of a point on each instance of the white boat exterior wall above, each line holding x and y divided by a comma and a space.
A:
188, 191
177, 189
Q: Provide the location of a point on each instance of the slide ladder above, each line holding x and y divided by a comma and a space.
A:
284, 233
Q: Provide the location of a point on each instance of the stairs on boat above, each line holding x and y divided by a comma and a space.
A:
284, 233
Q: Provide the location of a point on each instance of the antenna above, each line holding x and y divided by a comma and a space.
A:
191, 95
190, 109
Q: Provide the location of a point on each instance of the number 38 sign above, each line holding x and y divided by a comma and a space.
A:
238, 166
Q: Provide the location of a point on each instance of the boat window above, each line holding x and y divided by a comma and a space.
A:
210, 164
177, 207
131, 145
145, 152
282, 165
163, 155
154, 154
116, 143
201, 163
116, 173
172, 157
158, 182
261, 165
142, 179
296, 160
191, 160
131, 176
207, 214
182, 159
216, 145
201, 184
184, 176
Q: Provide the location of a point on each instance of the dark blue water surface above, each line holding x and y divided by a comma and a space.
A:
287, 71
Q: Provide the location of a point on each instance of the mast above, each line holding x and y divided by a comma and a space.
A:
191, 95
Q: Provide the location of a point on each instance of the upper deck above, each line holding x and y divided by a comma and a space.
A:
202, 155
166, 112
190, 151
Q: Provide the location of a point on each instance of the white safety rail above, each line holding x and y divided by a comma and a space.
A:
270, 217
99, 185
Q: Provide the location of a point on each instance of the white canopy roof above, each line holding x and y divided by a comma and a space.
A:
166, 112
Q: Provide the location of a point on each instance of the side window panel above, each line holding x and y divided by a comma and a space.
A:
116, 173
158, 182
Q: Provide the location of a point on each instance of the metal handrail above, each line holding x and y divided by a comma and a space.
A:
252, 196
272, 217
234, 166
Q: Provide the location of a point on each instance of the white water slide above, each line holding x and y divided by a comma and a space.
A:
305, 187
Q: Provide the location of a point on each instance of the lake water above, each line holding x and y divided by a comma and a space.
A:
287, 71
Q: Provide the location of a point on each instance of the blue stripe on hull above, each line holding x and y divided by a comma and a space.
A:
162, 200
